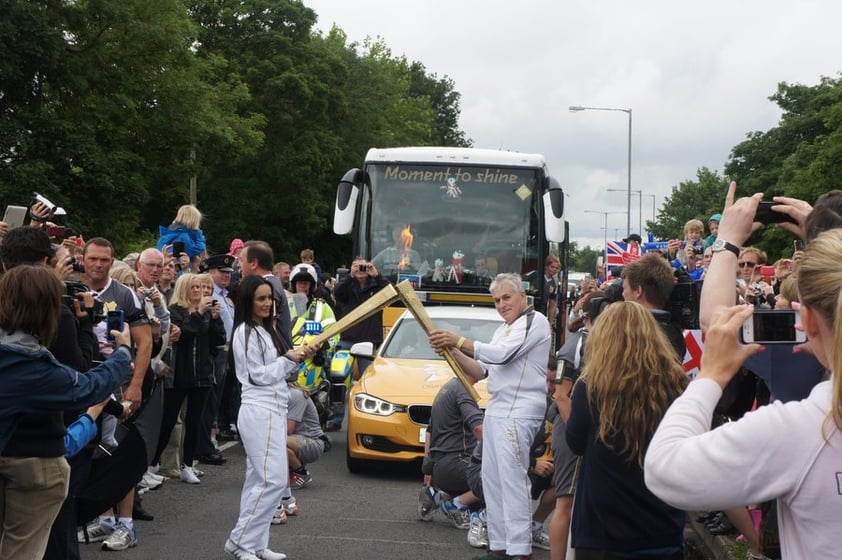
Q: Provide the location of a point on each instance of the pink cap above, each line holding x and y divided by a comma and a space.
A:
235, 245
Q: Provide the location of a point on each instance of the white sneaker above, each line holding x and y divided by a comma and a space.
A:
279, 516
540, 538
477, 532
151, 481
188, 476
290, 506
97, 531
235, 551
267, 554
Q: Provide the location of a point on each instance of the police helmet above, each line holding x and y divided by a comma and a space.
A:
303, 273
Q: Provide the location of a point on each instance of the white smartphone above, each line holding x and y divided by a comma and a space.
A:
15, 215
773, 326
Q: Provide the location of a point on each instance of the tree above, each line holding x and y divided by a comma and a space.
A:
801, 157
690, 200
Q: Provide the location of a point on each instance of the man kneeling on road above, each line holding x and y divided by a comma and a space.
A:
455, 426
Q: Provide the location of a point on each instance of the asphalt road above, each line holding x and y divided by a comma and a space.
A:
344, 516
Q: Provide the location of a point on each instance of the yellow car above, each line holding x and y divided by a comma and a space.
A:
389, 407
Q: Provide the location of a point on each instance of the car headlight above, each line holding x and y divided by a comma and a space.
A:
372, 405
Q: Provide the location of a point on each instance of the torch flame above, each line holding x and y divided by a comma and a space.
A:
405, 246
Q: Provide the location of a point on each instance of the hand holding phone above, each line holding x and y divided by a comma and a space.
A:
114, 323
773, 326
765, 215
797, 245
178, 248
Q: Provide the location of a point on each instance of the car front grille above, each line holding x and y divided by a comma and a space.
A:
420, 413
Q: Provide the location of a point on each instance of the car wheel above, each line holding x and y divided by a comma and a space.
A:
355, 466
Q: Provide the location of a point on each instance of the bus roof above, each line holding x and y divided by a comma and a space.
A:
465, 156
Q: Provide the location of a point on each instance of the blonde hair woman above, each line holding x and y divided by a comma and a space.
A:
191, 377
790, 452
631, 376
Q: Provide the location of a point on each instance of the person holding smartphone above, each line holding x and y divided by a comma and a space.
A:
788, 453
191, 375
34, 487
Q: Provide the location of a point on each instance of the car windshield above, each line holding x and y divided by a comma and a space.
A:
409, 341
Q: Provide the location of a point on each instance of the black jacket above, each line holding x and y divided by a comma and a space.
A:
194, 351
349, 295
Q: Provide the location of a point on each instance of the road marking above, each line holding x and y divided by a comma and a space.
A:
383, 541
227, 445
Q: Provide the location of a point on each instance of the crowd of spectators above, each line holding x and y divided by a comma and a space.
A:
215, 346
128, 410
725, 444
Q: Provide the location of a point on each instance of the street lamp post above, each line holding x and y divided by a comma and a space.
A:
605, 229
639, 193
578, 108
653, 207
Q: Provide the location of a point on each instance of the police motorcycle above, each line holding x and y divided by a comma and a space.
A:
310, 317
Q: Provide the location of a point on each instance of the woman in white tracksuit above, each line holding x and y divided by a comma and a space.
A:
262, 364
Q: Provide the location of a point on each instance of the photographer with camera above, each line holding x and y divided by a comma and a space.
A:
361, 282
649, 281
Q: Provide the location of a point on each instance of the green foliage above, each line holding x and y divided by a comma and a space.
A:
109, 108
801, 157
582, 260
698, 199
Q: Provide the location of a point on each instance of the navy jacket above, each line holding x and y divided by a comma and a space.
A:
32, 380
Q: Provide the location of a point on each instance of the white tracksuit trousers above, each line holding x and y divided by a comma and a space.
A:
264, 436
505, 482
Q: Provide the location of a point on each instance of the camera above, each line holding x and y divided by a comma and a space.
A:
147, 293
362, 268
77, 265
54, 210
213, 302
683, 303
73, 289
698, 250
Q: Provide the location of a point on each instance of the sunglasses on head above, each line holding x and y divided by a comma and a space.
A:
744, 264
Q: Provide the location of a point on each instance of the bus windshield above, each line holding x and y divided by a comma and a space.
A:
451, 225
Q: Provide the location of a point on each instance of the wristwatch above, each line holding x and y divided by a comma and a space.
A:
721, 245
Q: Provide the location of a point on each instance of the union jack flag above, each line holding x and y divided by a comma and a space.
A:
619, 253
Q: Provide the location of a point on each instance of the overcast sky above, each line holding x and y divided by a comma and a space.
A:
697, 76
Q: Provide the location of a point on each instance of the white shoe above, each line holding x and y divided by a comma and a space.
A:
290, 506
267, 554
152, 481
477, 532
188, 476
235, 551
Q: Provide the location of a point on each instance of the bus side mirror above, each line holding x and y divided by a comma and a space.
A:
554, 212
346, 202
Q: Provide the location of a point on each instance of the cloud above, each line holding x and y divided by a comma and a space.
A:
696, 75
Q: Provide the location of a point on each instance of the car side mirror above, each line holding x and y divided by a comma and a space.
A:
363, 350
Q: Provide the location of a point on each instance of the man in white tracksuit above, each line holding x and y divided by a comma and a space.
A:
515, 362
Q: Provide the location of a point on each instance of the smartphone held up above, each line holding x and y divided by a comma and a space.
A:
773, 326
113, 322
